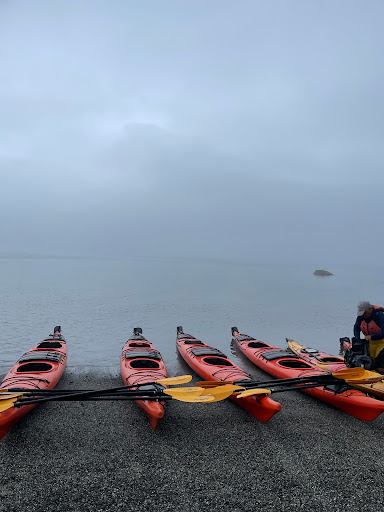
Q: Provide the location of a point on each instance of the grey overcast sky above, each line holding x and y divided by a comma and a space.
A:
234, 129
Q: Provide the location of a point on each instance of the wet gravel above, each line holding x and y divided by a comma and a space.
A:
104, 456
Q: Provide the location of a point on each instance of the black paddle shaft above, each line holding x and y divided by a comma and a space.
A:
95, 398
84, 394
319, 379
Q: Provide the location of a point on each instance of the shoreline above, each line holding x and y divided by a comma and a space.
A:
104, 456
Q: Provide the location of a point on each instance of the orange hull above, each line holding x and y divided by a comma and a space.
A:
141, 363
211, 364
285, 365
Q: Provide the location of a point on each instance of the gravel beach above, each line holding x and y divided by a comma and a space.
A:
104, 456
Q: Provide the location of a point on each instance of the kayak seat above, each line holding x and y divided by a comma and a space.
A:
217, 361
34, 367
270, 355
295, 363
331, 359
193, 341
257, 344
144, 364
207, 351
309, 351
137, 344
137, 337
49, 344
38, 356
148, 354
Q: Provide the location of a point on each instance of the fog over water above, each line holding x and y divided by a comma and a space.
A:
213, 129
99, 302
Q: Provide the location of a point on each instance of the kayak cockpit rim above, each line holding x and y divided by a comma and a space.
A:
34, 367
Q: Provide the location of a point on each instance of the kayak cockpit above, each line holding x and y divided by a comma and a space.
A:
331, 359
34, 367
257, 344
217, 361
294, 363
144, 364
50, 344
213, 357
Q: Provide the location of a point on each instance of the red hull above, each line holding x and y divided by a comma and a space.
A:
332, 363
214, 365
39, 368
141, 363
288, 365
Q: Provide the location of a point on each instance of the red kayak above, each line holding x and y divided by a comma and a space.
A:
334, 363
39, 368
141, 363
211, 364
284, 365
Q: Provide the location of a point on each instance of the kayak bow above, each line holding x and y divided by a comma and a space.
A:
39, 368
141, 364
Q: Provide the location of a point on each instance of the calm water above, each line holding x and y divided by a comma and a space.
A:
98, 302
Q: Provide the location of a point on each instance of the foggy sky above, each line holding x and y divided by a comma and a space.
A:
226, 129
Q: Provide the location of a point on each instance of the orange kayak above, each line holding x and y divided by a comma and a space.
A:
285, 365
141, 363
39, 368
212, 364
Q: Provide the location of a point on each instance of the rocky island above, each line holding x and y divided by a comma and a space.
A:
322, 273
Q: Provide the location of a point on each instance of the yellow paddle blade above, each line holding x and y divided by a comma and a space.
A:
188, 394
197, 399
250, 392
368, 376
350, 373
181, 379
222, 392
6, 396
358, 375
7, 404
176, 391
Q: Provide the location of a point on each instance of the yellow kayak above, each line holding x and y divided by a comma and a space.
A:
332, 363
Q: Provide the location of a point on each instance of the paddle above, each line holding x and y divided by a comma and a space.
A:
181, 394
181, 379
222, 392
261, 391
349, 374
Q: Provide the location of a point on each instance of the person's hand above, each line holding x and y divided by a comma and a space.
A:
368, 338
